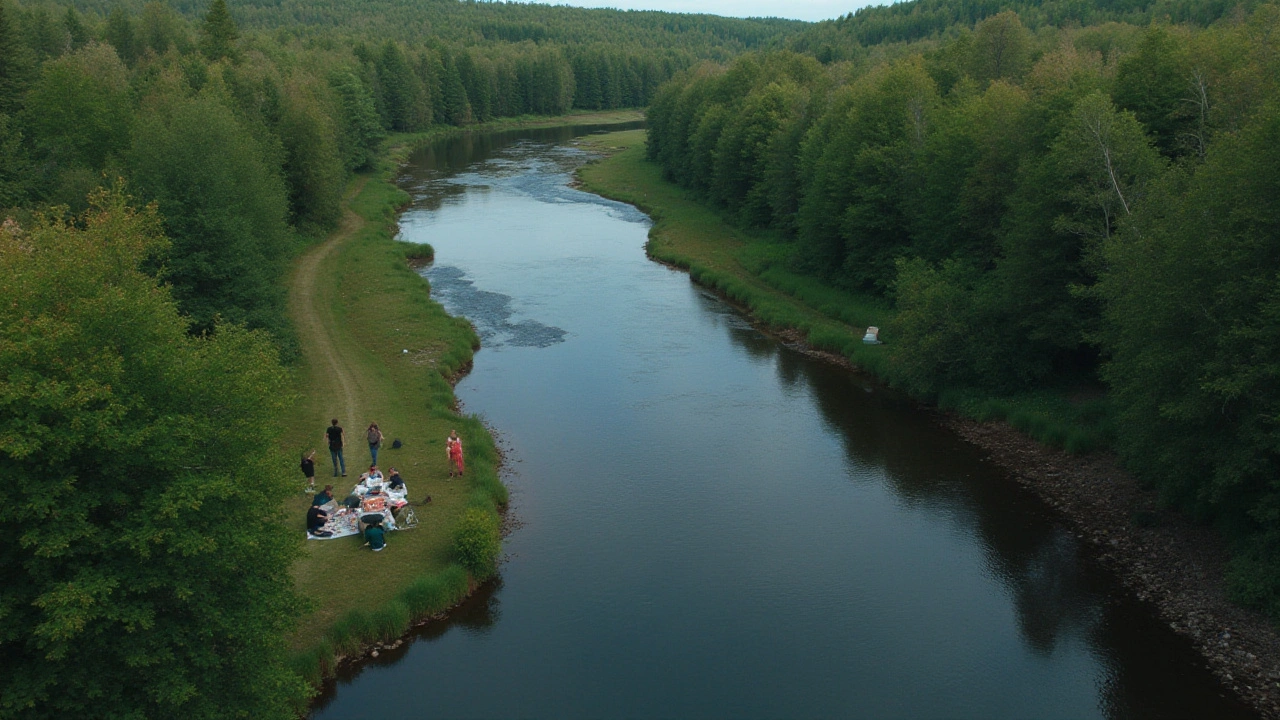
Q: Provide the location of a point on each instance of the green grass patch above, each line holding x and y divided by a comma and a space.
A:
750, 269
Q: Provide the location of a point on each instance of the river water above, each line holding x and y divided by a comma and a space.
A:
712, 524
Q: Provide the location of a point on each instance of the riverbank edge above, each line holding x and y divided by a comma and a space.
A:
1159, 555
376, 203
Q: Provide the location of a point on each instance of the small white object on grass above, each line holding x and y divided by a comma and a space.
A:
406, 350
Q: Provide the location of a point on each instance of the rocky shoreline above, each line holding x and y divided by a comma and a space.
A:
1160, 555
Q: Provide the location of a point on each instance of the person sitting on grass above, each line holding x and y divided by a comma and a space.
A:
373, 477
316, 518
375, 537
394, 481
324, 497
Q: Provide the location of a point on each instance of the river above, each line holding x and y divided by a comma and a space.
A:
709, 523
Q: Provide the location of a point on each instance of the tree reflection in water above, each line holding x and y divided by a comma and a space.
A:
1059, 592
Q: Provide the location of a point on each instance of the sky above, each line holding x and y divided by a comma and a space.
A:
811, 10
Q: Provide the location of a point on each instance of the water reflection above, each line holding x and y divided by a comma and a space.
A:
476, 615
1057, 590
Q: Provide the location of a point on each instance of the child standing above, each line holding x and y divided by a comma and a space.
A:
308, 466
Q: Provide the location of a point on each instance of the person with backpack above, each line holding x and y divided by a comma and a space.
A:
375, 441
336, 439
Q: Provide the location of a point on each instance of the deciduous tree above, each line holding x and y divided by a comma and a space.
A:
146, 572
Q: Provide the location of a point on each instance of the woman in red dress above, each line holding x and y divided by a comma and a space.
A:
453, 446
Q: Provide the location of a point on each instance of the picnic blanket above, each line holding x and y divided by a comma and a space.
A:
375, 498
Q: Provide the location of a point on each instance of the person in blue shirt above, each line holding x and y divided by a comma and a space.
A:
324, 497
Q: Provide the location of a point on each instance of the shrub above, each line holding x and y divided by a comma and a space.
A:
431, 594
477, 542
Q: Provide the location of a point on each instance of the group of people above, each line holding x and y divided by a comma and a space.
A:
337, 439
375, 535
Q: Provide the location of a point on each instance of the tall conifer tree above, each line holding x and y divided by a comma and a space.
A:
220, 33
15, 63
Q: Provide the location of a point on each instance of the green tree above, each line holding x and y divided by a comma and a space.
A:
79, 112
859, 164
44, 35
120, 33
455, 106
1154, 84
77, 33
16, 63
1192, 328
161, 28
1001, 48
15, 166
224, 209
1108, 160
948, 330
147, 574
402, 95
312, 167
361, 129
219, 33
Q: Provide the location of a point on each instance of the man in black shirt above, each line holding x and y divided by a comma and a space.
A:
316, 518
336, 437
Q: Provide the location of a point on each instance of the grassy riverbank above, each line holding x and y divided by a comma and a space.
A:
358, 307
750, 269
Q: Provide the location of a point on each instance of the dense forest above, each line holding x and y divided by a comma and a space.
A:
160, 167
1062, 207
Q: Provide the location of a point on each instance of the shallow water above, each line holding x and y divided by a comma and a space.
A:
714, 525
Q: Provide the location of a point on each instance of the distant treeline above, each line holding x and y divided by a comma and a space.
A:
244, 122
1047, 209
921, 19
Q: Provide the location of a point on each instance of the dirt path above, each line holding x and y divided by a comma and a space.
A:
315, 322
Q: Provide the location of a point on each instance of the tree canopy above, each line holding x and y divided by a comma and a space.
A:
133, 451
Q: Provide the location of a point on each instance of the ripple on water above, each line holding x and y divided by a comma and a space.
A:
489, 312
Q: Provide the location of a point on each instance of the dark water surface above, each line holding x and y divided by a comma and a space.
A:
714, 525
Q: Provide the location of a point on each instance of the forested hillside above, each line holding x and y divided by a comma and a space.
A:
919, 19
161, 165
1045, 209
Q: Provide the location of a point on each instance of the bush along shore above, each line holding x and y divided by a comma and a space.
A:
1039, 439
376, 348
